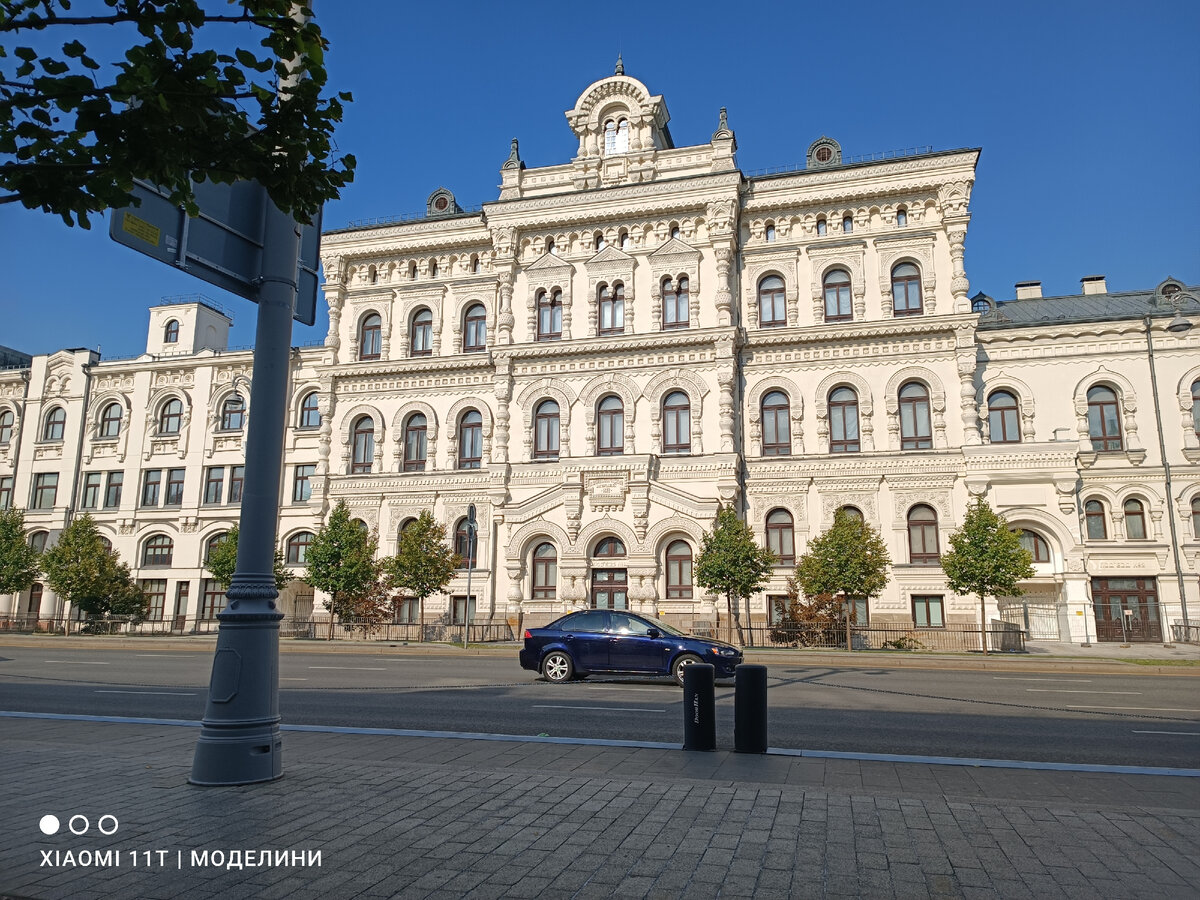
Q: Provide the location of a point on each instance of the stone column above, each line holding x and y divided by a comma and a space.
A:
956, 231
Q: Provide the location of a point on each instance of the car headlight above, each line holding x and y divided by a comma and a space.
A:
723, 651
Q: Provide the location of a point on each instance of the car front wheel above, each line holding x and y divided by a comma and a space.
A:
682, 663
557, 667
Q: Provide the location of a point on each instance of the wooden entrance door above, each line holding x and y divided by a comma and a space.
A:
1112, 598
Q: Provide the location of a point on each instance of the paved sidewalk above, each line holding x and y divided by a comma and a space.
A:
439, 818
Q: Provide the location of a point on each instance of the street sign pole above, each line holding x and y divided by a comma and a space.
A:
240, 741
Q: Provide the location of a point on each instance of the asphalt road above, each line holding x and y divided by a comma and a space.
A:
1139, 720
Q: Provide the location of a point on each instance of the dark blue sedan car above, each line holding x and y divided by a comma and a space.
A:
614, 641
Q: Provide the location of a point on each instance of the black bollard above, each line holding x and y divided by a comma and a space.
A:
699, 707
750, 709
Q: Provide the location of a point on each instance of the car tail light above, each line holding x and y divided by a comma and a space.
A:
527, 634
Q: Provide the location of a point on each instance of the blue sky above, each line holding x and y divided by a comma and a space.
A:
1088, 115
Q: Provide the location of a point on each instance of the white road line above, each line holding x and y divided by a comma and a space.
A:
153, 693
353, 668
1138, 708
617, 687
74, 662
166, 655
1191, 733
293, 679
1044, 680
600, 708
1067, 690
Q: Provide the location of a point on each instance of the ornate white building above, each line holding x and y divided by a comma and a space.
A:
620, 343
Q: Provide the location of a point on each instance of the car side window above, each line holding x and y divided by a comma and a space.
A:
586, 622
622, 624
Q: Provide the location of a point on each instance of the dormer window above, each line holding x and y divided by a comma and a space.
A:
171, 332
616, 136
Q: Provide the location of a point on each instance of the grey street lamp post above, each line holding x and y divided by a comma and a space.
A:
1177, 325
471, 529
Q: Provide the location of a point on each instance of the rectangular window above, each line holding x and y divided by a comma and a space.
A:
6, 491
112, 490
151, 482
213, 600
174, 495
45, 490
236, 475
858, 609
302, 484
459, 607
776, 604
155, 591
90, 498
214, 484
927, 611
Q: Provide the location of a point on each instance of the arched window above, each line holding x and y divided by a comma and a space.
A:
822, 227
1135, 520
433, 268
476, 265
545, 424
674, 232
158, 551
412, 271
837, 296
923, 536
915, 432
611, 426
598, 241
906, 290
847, 224
211, 544
414, 443
980, 305
297, 548
475, 329
7, 420
310, 411
852, 511
465, 545
38, 540
551, 247
1196, 516
364, 445
545, 572
611, 303
1004, 425
105, 543
233, 413
679, 571
171, 332
901, 217
1097, 526
1196, 407
110, 421
170, 420
370, 339
781, 539
470, 440
843, 421
677, 423
56, 423
609, 548
770, 234
610, 137
772, 308
421, 340
1104, 419
549, 307
623, 136
776, 425
675, 302
1039, 550
361, 525
626, 241
372, 274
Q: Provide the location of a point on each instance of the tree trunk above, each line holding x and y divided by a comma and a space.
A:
983, 637
332, 607
737, 618
420, 620
846, 609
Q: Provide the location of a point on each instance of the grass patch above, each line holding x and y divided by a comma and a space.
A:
1161, 662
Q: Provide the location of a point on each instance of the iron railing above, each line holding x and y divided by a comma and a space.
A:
1001, 636
1186, 634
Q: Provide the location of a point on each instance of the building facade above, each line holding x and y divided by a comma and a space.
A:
619, 344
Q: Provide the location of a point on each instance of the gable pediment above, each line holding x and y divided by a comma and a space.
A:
548, 262
610, 261
674, 249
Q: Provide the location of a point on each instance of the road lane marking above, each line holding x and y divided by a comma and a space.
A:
353, 668
617, 687
1138, 708
1044, 680
74, 662
1191, 733
153, 693
166, 655
1072, 691
600, 708
293, 679
1068, 690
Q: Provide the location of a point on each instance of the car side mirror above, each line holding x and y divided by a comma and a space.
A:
654, 633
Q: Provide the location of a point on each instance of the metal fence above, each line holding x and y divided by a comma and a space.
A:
1186, 634
1001, 636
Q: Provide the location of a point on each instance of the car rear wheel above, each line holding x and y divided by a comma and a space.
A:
682, 663
557, 667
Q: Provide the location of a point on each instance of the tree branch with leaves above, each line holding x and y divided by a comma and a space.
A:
89, 576
341, 562
732, 563
424, 563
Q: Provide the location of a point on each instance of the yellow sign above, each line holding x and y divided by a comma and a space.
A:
1079, 612
140, 229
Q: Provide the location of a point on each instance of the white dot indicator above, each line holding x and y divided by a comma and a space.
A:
49, 824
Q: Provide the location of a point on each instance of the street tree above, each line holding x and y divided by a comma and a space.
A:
222, 562
809, 622
19, 566
88, 575
732, 563
848, 562
341, 562
424, 563
165, 95
986, 559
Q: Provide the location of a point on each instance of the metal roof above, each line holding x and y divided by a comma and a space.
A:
1107, 307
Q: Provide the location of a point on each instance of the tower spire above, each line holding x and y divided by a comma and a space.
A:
620, 70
